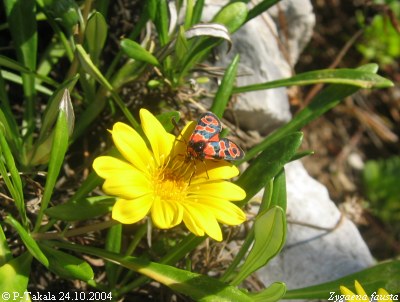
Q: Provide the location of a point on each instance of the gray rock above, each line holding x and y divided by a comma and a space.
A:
297, 27
321, 245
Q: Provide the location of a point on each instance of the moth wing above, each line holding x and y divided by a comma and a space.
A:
223, 149
208, 128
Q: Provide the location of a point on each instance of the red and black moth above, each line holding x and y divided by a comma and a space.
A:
205, 143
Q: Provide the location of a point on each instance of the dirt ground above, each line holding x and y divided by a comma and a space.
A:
364, 126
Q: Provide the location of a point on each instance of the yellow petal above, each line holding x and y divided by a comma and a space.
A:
214, 169
122, 179
166, 215
223, 210
181, 141
202, 221
133, 210
108, 166
160, 140
192, 225
349, 295
384, 296
132, 146
360, 291
219, 189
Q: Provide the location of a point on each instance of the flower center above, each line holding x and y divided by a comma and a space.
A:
169, 186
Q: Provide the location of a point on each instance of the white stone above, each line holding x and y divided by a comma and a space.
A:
311, 255
298, 25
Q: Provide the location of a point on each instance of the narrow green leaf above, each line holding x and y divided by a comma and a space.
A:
95, 35
354, 77
88, 65
274, 195
13, 180
188, 14
137, 52
278, 197
7, 119
272, 293
324, 101
225, 89
53, 105
66, 265
260, 8
269, 238
265, 166
196, 286
384, 275
12, 77
14, 276
14, 65
88, 116
162, 21
5, 253
28, 241
113, 244
181, 46
232, 16
197, 12
58, 150
22, 24
21, 19
82, 209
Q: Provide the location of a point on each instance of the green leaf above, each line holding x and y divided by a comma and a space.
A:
39, 154
196, 286
14, 276
22, 24
66, 265
166, 119
82, 209
197, 12
270, 234
21, 19
95, 107
95, 35
113, 244
137, 52
88, 65
265, 166
58, 150
53, 105
384, 275
181, 46
12, 77
260, 8
354, 77
10, 174
225, 89
274, 292
274, 195
324, 101
232, 16
162, 21
28, 241
14, 65
5, 253
278, 192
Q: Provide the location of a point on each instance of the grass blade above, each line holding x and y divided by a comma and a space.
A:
58, 150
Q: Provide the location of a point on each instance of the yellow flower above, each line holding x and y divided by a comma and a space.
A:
349, 296
160, 181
